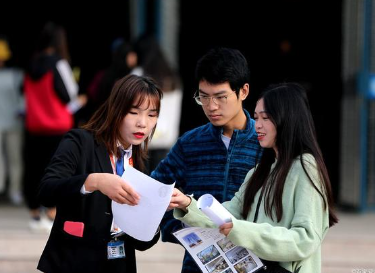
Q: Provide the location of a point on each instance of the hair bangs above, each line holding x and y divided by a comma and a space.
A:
149, 96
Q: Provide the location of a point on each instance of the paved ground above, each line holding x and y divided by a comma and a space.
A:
348, 247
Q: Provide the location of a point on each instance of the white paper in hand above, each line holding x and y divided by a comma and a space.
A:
142, 221
214, 210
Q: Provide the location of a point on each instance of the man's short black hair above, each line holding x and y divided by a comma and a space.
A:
221, 65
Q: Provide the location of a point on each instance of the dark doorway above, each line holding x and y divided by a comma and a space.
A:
283, 41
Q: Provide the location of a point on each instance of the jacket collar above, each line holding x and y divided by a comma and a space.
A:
248, 131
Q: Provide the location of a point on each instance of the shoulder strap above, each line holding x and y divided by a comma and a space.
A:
258, 205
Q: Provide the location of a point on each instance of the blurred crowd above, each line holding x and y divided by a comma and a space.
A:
40, 103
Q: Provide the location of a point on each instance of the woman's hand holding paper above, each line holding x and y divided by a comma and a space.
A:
114, 187
179, 200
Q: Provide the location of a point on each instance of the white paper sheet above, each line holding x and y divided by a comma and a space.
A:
142, 221
214, 210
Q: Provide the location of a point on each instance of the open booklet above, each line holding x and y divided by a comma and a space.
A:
212, 251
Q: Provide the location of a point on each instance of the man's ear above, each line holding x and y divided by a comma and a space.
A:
244, 91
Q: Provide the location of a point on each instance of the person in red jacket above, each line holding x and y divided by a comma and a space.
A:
51, 96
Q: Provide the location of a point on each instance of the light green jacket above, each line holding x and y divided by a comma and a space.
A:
296, 240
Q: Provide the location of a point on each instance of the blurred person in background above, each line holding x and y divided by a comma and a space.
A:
153, 63
11, 124
51, 95
124, 59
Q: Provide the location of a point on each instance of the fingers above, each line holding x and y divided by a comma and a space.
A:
118, 190
129, 194
178, 202
124, 198
125, 194
173, 205
226, 228
225, 231
130, 191
227, 225
175, 192
174, 200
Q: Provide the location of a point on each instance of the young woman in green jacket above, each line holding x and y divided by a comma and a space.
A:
285, 207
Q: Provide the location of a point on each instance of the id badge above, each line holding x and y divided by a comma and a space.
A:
115, 250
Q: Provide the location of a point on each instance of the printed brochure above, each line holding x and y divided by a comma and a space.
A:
212, 251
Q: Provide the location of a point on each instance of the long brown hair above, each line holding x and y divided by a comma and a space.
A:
287, 107
127, 92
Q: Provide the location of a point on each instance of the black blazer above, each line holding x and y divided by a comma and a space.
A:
77, 156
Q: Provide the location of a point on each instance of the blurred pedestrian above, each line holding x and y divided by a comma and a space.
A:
11, 125
124, 59
51, 95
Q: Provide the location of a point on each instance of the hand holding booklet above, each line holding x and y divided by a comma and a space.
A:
212, 251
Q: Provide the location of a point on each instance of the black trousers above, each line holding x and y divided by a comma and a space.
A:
38, 151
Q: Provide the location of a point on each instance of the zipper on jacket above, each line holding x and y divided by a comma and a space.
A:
235, 133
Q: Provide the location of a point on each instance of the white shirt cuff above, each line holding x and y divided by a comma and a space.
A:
84, 191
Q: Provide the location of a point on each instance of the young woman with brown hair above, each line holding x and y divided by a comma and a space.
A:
81, 182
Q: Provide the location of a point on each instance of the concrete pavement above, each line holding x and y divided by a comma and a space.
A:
349, 246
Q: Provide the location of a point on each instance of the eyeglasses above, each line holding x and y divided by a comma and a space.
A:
205, 100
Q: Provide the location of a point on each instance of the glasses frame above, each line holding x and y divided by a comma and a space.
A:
212, 98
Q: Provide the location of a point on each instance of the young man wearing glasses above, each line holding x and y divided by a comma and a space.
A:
215, 157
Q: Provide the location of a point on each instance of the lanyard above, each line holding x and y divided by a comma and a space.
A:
114, 165
114, 228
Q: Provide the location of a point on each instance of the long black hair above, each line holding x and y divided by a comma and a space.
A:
288, 108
